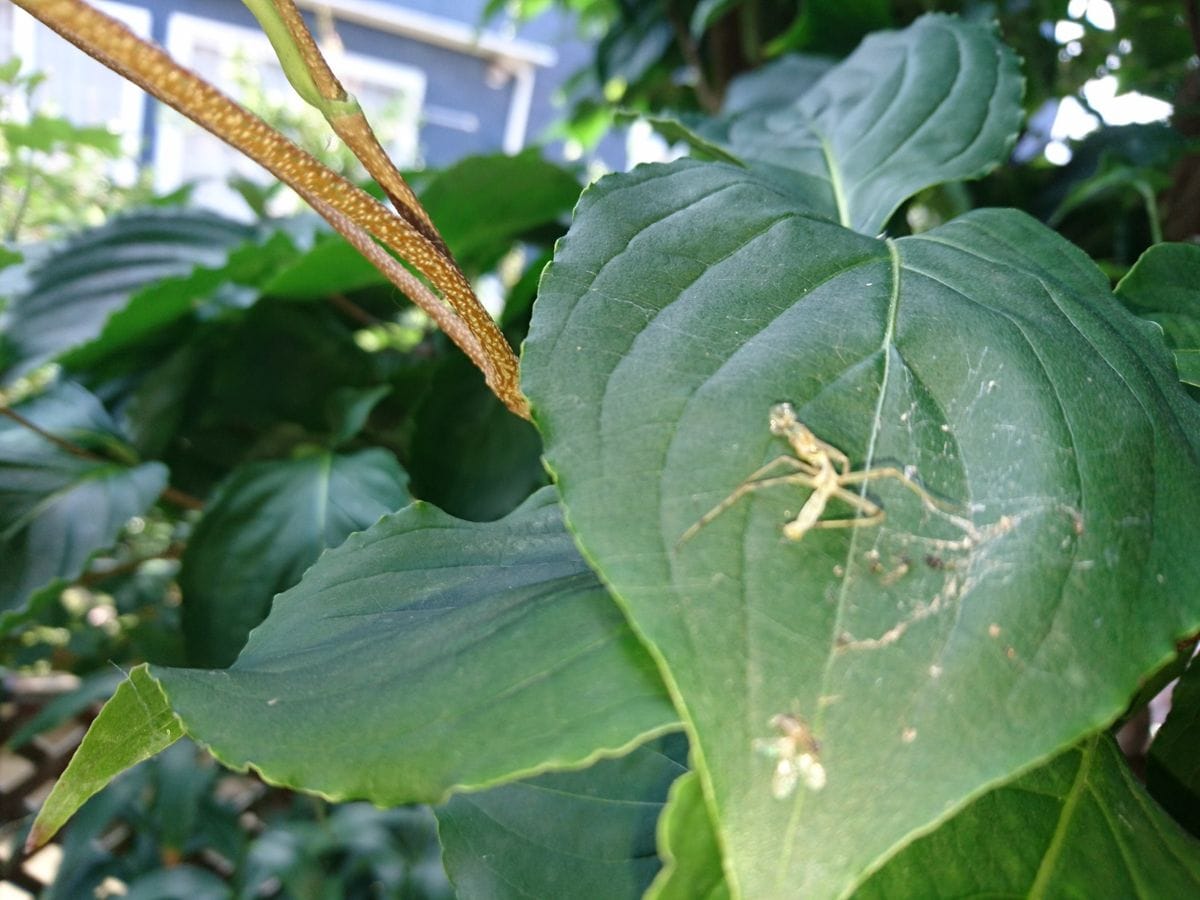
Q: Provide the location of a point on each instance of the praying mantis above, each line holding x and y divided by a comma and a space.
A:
822, 467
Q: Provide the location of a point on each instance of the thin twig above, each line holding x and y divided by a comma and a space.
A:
99, 576
170, 494
1191, 9
60, 443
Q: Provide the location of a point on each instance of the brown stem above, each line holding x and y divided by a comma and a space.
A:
356, 132
94, 577
60, 443
349, 308
173, 495
181, 499
152, 70
412, 286
1191, 10
691, 53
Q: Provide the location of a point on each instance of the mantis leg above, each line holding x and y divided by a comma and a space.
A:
803, 475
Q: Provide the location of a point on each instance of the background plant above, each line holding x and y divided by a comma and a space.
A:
437, 635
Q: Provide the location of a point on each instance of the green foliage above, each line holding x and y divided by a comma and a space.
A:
585, 834
50, 167
860, 703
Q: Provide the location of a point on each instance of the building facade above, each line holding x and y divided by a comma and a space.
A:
438, 81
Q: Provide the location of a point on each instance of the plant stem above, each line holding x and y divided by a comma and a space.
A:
151, 69
170, 494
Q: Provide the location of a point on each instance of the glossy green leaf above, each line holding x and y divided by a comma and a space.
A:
688, 846
937, 102
1164, 286
430, 655
1079, 826
1187, 363
134, 725
483, 204
588, 833
58, 507
331, 266
75, 290
989, 355
775, 85
266, 524
470, 456
1173, 765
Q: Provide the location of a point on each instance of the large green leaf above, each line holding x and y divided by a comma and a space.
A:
930, 659
1079, 826
939, 101
563, 834
266, 524
58, 507
1164, 287
426, 655
73, 292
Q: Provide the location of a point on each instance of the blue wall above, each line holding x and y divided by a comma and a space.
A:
454, 80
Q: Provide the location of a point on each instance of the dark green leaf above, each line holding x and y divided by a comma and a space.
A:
431, 654
484, 204
1164, 287
688, 846
74, 291
566, 834
775, 85
939, 101
58, 507
470, 456
1079, 826
988, 354
1173, 767
424, 656
263, 527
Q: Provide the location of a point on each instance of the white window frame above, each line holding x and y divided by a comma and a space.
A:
183, 32
132, 103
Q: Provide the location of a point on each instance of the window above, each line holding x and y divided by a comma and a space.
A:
241, 62
77, 87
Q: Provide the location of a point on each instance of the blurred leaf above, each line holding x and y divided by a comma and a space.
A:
182, 882
349, 408
330, 267
1173, 766
674, 130
470, 456
832, 26
1078, 826
93, 689
688, 846
565, 834
204, 293
75, 290
57, 508
484, 204
266, 524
